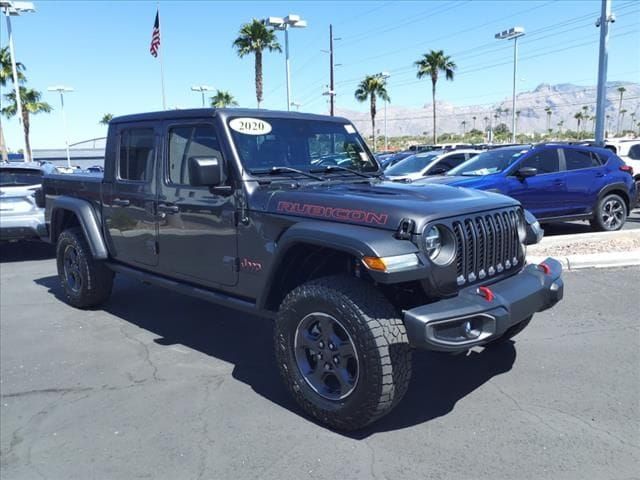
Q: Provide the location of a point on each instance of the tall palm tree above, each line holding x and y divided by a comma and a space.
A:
6, 74
464, 128
106, 118
622, 112
548, 111
474, 122
621, 91
223, 99
31, 105
254, 38
560, 125
431, 65
372, 87
578, 117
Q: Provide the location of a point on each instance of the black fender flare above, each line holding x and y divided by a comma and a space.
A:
87, 218
355, 240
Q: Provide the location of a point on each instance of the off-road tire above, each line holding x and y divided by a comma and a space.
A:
95, 278
511, 332
380, 340
598, 221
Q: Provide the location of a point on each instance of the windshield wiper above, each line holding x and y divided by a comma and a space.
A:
329, 168
283, 169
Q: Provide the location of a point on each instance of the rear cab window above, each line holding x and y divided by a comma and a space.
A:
136, 154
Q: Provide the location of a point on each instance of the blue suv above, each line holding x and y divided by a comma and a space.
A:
556, 182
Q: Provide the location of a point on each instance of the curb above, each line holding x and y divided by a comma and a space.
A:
594, 260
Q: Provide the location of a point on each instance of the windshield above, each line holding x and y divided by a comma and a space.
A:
412, 164
13, 177
486, 163
265, 143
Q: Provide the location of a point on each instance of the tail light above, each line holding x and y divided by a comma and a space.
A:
628, 169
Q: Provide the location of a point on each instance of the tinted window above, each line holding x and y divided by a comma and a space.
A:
634, 152
136, 154
489, 162
545, 161
577, 159
412, 164
190, 142
19, 177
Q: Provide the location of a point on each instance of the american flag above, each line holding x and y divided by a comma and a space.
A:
155, 36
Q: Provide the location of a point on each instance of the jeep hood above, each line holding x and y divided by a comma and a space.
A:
381, 204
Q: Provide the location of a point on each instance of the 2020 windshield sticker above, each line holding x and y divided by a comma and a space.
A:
250, 126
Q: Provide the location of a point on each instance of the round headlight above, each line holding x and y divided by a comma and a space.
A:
439, 244
433, 242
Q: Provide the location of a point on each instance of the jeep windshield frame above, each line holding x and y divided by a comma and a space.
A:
309, 145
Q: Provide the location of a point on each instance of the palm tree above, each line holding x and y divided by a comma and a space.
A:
223, 99
548, 110
474, 122
106, 118
6, 73
560, 125
370, 88
621, 90
254, 38
432, 64
464, 128
622, 112
578, 117
31, 105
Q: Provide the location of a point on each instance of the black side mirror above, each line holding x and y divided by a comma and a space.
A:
205, 171
526, 172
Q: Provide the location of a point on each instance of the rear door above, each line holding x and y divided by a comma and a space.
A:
129, 203
544, 194
586, 176
197, 227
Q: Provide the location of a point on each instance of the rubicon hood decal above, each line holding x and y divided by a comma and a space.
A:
337, 213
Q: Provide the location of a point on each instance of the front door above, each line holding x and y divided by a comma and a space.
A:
545, 193
197, 228
129, 201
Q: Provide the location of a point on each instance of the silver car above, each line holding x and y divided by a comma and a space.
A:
20, 217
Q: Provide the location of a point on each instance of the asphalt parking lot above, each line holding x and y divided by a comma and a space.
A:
163, 386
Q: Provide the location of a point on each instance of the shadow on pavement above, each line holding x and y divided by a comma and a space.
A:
25, 251
439, 380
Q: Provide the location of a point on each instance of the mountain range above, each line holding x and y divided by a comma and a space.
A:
564, 100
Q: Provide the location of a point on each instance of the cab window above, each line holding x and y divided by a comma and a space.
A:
136, 155
187, 142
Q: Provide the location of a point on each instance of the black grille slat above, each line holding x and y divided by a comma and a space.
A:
482, 247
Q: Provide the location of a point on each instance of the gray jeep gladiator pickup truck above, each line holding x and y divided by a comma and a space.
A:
288, 215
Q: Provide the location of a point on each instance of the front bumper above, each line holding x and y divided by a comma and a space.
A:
19, 227
474, 318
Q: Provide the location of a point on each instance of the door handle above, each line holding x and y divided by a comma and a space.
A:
167, 208
120, 202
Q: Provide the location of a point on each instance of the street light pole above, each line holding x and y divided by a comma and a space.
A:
513, 34
385, 76
202, 89
61, 89
278, 23
603, 22
10, 8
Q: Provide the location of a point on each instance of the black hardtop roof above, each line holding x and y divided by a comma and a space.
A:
225, 113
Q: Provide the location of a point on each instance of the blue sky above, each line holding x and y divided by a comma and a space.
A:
101, 49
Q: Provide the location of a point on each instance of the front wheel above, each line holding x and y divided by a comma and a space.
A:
342, 351
610, 214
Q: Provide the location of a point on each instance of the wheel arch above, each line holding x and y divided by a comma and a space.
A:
310, 250
619, 189
70, 212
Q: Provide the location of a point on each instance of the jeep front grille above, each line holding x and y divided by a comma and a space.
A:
486, 245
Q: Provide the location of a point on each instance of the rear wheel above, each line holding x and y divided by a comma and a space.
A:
610, 214
87, 282
342, 351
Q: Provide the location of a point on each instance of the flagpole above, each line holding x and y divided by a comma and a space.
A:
164, 101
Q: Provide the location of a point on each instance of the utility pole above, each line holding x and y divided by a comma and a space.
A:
603, 23
331, 85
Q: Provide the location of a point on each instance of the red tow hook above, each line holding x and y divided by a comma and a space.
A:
486, 293
545, 268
